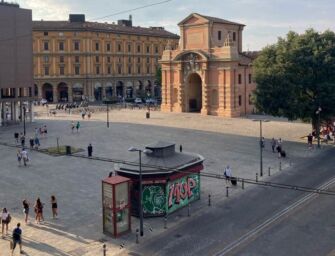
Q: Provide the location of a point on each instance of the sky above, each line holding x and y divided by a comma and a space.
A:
265, 20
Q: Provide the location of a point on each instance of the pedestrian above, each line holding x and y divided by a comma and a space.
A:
17, 238
22, 139
72, 126
54, 207
89, 115
83, 114
38, 207
45, 130
273, 145
19, 156
89, 150
181, 148
25, 210
78, 126
16, 136
5, 220
310, 140
25, 157
31, 142
262, 142
37, 142
227, 174
36, 132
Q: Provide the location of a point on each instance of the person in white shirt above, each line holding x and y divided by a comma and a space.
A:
24, 155
5, 219
227, 173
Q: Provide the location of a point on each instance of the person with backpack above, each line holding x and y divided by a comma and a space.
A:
25, 157
78, 126
17, 238
5, 220
227, 173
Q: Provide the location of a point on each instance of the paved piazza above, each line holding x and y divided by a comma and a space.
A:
76, 182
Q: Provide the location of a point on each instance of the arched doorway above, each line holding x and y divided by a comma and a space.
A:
194, 93
119, 89
98, 92
63, 92
77, 92
35, 90
148, 89
109, 90
47, 92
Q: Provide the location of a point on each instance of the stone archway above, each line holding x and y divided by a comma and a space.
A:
194, 93
77, 92
119, 89
63, 92
47, 92
98, 92
36, 92
109, 90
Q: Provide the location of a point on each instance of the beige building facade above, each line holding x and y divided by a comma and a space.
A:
208, 72
76, 59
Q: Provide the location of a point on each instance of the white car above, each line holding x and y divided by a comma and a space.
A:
138, 100
43, 101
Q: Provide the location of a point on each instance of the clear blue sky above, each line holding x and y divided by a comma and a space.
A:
265, 20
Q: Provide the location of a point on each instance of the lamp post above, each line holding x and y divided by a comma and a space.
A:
107, 102
318, 112
133, 149
260, 144
24, 120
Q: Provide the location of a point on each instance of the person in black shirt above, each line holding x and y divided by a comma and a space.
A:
17, 233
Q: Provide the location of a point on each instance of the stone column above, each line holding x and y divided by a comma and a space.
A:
69, 92
180, 97
40, 91
1, 113
205, 94
103, 88
55, 93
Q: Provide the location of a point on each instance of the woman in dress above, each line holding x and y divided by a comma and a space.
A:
25, 210
54, 206
38, 211
5, 219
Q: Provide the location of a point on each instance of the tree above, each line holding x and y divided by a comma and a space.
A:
159, 75
296, 76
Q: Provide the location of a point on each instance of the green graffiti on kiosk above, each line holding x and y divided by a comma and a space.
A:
153, 200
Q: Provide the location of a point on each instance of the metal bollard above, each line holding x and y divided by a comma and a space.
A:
104, 249
242, 183
256, 177
280, 166
137, 232
165, 222
227, 191
269, 171
209, 200
189, 210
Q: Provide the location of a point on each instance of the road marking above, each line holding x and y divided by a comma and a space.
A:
271, 220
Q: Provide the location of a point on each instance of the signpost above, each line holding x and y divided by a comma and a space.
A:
107, 102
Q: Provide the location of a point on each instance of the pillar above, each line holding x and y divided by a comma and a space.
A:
55, 93
180, 96
69, 93
1, 114
40, 91
205, 94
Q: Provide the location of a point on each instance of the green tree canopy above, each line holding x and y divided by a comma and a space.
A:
296, 76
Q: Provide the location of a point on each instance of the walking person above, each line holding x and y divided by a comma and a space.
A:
181, 148
89, 150
310, 140
19, 156
72, 126
16, 136
22, 139
273, 145
24, 155
38, 207
37, 142
54, 207
5, 220
227, 173
31, 142
17, 238
78, 126
25, 210
45, 130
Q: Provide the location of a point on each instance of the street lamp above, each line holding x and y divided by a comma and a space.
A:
107, 102
318, 112
133, 149
24, 120
261, 145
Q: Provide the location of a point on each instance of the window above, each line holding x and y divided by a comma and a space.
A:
77, 70
138, 48
61, 46
148, 69
119, 47
46, 46
76, 59
119, 69
239, 100
76, 45
139, 69
119, 60
129, 48
250, 99
108, 47
46, 58
239, 78
97, 59
129, 59
250, 81
45, 33
108, 59
46, 70
97, 46
97, 70
109, 70
129, 69
156, 49
148, 49
219, 35
234, 36
138, 60
61, 70
61, 59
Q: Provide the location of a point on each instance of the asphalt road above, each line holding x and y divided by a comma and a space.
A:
236, 226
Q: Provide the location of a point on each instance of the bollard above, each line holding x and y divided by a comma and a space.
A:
165, 222
269, 171
209, 200
189, 210
256, 177
104, 249
280, 166
227, 191
242, 183
137, 241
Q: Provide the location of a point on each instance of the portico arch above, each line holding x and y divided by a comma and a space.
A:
63, 94
47, 92
98, 92
193, 95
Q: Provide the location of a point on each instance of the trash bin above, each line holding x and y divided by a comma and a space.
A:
148, 114
68, 150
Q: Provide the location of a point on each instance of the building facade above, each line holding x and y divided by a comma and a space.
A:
208, 72
76, 59
16, 64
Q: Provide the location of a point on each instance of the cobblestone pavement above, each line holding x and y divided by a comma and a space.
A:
76, 182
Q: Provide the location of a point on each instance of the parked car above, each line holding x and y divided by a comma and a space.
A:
43, 101
150, 101
138, 101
